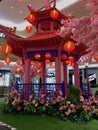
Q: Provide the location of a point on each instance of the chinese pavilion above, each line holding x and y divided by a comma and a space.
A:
46, 43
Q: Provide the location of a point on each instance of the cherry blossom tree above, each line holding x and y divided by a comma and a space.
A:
84, 30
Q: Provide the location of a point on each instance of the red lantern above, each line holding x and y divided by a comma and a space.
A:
32, 62
64, 57
67, 62
28, 28
37, 56
69, 46
71, 58
51, 64
8, 60
6, 49
54, 14
31, 18
47, 61
38, 64
47, 55
72, 64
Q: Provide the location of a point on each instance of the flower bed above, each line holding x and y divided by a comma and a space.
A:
58, 106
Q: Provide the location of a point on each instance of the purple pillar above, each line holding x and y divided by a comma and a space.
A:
43, 72
27, 78
58, 66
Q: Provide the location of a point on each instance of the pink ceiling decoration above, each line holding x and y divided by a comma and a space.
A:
84, 30
85, 58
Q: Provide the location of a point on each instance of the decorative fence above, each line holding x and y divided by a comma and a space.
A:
49, 89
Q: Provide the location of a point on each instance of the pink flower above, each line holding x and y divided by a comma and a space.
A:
30, 97
68, 112
34, 101
14, 103
36, 104
77, 107
42, 101
68, 102
19, 108
61, 108
81, 98
42, 95
25, 102
72, 106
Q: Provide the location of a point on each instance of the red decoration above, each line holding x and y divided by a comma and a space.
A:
32, 62
47, 55
37, 56
47, 61
64, 57
71, 58
38, 64
6, 49
67, 62
96, 57
8, 60
72, 64
28, 28
54, 14
69, 46
31, 18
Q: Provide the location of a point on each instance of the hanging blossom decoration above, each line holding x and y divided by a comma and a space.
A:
84, 30
85, 58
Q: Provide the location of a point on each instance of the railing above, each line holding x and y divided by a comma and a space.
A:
25, 90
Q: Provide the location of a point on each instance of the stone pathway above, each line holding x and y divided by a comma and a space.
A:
4, 126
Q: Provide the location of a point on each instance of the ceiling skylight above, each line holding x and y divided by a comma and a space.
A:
64, 3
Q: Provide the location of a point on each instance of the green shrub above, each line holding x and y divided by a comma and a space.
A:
74, 94
96, 93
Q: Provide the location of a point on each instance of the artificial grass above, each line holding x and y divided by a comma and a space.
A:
35, 122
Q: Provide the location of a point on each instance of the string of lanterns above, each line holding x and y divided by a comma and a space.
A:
69, 46
6, 49
31, 19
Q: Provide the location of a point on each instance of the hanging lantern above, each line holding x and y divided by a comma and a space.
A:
54, 14
51, 64
64, 57
6, 49
38, 64
69, 46
47, 55
71, 58
37, 56
30, 18
72, 64
32, 62
8, 60
28, 28
68, 62
47, 61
